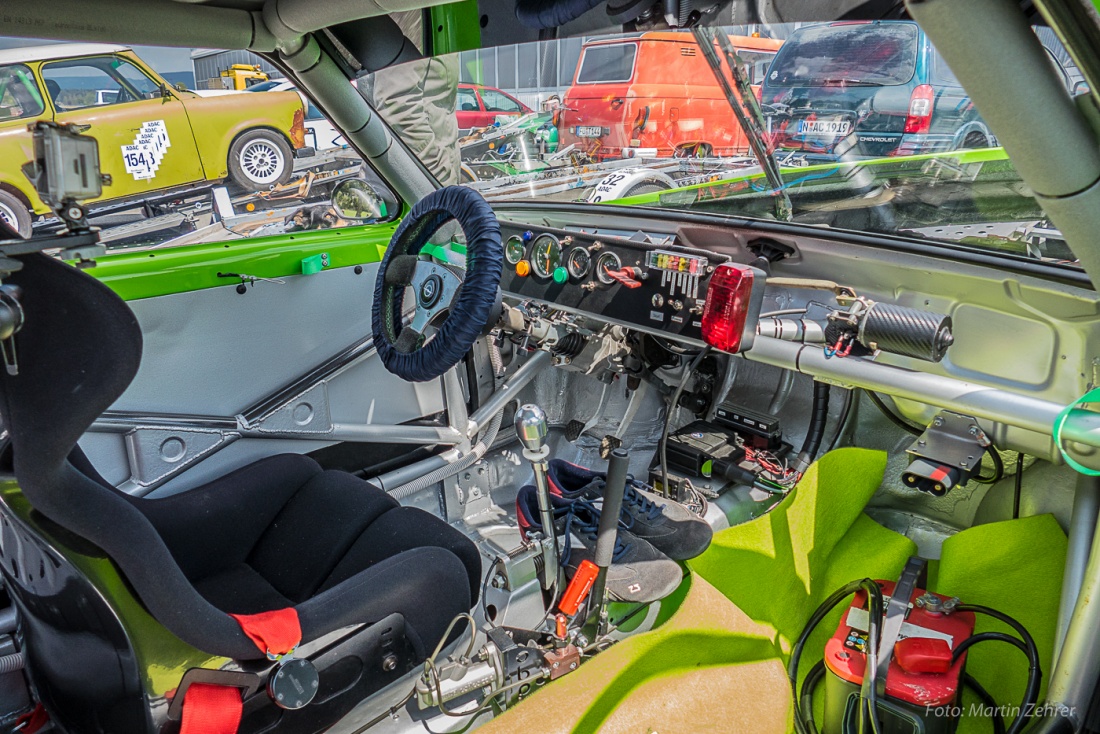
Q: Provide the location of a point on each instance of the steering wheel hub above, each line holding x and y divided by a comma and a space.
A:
431, 290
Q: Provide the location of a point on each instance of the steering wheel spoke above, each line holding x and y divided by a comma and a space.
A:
434, 288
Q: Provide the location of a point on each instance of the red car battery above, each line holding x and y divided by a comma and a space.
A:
923, 685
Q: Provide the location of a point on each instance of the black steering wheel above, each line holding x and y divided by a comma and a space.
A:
458, 304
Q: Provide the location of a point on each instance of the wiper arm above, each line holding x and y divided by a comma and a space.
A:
745, 109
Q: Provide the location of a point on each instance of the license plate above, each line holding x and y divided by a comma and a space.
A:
824, 127
585, 131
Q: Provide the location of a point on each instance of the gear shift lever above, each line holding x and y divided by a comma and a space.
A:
531, 429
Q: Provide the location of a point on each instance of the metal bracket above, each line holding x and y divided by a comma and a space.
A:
156, 454
305, 413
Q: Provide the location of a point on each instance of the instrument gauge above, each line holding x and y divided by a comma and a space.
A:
545, 255
514, 249
578, 263
607, 261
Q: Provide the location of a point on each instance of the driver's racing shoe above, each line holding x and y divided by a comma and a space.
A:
639, 573
667, 525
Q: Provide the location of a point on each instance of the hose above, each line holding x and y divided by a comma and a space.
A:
11, 663
816, 431
495, 359
479, 450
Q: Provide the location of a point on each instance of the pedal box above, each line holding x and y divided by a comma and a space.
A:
696, 445
759, 430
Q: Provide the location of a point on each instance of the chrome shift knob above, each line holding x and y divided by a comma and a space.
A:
531, 427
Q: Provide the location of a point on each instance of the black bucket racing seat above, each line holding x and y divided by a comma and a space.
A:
126, 603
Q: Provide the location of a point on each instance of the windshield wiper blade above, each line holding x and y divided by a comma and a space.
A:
745, 109
845, 82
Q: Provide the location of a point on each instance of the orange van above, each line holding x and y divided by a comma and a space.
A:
655, 95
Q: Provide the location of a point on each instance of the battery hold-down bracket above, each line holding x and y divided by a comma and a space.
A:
947, 454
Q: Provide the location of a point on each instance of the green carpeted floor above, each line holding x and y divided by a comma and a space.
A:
776, 570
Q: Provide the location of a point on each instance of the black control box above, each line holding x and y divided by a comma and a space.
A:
759, 430
696, 445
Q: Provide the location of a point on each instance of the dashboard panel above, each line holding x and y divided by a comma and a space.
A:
646, 281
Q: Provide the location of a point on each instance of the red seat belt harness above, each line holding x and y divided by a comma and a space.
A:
212, 701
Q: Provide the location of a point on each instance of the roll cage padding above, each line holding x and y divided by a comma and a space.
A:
476, 297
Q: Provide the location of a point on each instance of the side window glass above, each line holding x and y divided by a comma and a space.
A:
105, 80
19, 94
497, 102
467, 100
755, 65
135, 78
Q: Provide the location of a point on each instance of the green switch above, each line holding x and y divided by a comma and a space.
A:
561, 275
314, 263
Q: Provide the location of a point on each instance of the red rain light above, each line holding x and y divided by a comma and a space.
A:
729, 303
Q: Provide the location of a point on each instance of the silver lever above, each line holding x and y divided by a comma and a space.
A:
531, 430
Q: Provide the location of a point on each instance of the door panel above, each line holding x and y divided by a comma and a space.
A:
210, 356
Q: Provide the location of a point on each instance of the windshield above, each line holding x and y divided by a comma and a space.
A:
862, 126
881, 54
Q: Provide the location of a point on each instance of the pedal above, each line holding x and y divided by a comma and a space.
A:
609, 444
573, 430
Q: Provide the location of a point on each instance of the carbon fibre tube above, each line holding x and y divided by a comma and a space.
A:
906, 331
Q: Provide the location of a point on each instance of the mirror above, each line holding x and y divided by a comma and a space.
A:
356, 201
1080, 87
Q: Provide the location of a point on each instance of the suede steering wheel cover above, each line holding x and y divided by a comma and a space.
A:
476, 297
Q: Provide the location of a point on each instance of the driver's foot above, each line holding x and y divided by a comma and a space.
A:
666, 524
639, 573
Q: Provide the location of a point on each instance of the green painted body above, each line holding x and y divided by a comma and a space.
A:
161, 657
147, 274
455, 27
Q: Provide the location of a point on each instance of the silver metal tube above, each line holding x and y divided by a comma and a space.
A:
1082, 527
981, 401
386, 434
8, 620
508, 390
404, 475
457, 416
1078, 667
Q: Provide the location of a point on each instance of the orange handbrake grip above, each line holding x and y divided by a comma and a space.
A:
624, 276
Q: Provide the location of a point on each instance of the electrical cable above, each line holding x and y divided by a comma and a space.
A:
1019, 485
891, 415
806, 698
819, 415
874, 617
1034, 673
673, 404
983, 696
845, 411
998, 467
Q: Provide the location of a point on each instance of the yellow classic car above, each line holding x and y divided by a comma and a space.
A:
152, 136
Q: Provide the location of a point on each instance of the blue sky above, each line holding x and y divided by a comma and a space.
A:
163, 60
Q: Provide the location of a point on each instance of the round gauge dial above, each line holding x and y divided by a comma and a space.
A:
578, 263
607, 261
545, 255
514, 249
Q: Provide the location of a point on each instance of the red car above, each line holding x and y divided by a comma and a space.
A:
479, 106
